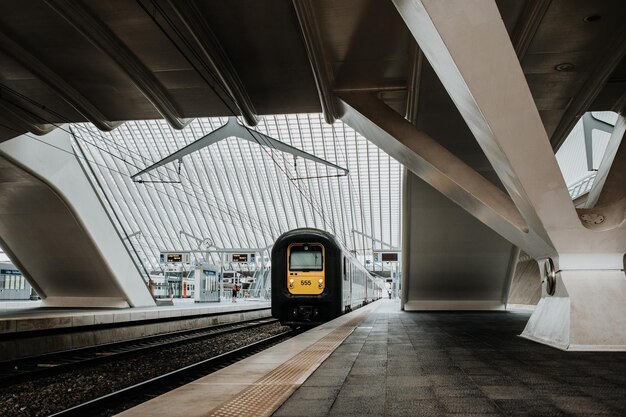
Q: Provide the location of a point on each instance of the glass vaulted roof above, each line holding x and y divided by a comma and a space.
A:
239, 194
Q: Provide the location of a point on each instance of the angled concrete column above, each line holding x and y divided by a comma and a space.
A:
55, 229
437, 166
469, 48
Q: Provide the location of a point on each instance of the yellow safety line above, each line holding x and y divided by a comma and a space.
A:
270, 391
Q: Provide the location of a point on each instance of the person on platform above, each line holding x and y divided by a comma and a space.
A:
236, 289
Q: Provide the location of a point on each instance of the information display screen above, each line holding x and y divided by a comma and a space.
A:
390, 257
174, 257
240, 257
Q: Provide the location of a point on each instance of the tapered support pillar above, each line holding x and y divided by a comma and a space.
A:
469, 48
585, 312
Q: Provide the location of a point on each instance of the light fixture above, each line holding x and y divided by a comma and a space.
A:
592, 18
565, 67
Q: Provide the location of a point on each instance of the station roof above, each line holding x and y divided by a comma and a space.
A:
238, 194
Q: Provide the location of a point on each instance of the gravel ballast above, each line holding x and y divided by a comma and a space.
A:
47, 395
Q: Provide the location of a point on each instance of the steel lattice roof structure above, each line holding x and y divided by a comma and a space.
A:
238, 194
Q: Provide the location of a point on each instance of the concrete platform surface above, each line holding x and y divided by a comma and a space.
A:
39, 318
457, 364
255, 386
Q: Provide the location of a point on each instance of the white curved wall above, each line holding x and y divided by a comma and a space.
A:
54, 227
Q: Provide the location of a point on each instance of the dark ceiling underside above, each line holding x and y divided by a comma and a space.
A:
115, 60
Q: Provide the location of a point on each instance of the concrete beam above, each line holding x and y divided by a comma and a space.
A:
441, 169
24, 120
315, 52
529, 21
56, 83
214, 57
470, 50
94, 30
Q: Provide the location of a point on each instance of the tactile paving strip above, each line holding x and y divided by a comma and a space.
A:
270, 391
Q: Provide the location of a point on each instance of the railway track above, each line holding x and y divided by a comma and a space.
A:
122, 399
21, 370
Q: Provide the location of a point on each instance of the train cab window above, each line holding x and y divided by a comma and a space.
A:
305, 263
306, 258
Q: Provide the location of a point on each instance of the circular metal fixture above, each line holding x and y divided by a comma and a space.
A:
592, 18
550, 274
592, 218
565, 67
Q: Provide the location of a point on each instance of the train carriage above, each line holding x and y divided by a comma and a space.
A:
315, 279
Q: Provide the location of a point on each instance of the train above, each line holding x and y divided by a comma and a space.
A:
173, 285
316, 279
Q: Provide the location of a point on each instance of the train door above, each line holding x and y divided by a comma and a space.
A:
351, 281
365, 285
345, 287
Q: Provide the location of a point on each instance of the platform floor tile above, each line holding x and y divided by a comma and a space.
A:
457, 364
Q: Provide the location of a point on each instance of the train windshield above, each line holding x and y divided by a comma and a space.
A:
306, 258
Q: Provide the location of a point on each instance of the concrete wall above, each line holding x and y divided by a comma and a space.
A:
14, 346
451, 260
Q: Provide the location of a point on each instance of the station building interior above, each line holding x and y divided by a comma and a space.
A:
460, 161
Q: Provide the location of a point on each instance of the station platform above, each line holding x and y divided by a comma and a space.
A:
28, 316
380, 361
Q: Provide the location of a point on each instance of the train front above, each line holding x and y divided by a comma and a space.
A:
306, 278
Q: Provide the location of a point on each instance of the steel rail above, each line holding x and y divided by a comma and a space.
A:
168, 381
58, 362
